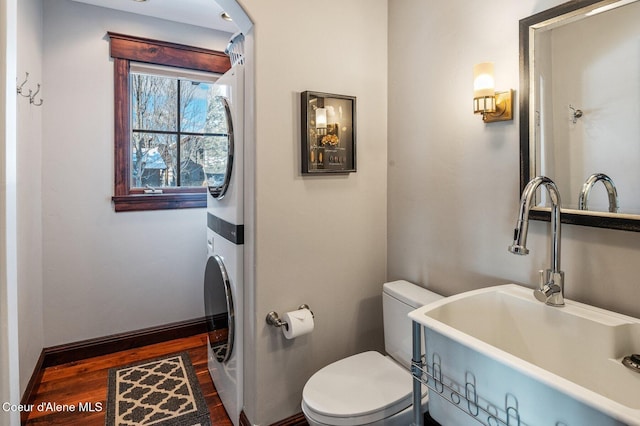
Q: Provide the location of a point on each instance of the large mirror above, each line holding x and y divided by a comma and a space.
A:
580, 110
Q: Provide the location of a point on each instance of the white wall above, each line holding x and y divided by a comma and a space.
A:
104, 272
9, 353
453, 180
29, 189
319, 240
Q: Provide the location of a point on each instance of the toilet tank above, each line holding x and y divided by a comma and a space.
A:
398, 299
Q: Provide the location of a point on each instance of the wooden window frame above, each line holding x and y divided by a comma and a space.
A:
125, 49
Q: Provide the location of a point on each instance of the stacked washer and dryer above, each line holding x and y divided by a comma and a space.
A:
223, 280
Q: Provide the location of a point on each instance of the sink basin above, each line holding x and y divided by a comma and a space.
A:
498, 354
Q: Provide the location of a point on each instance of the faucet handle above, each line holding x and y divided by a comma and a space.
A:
550, 289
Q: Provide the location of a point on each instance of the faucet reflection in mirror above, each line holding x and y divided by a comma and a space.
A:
612, 192
494, 106
551, 286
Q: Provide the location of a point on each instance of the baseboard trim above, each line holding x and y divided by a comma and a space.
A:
244, 421
34, 382
295, 420
76, 351
62, 354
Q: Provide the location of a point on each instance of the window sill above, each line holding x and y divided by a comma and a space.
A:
141, 202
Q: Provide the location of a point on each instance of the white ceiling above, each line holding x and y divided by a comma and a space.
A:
203, 13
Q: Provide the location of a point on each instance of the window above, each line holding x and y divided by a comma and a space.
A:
176, 118
165, 121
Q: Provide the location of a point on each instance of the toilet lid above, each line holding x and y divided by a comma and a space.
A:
367, 386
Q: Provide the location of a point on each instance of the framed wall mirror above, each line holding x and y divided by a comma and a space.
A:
580, 110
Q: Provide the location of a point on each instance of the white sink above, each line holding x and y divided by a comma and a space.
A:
514, 356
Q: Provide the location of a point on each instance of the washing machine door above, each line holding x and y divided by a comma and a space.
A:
218, 305
219, 151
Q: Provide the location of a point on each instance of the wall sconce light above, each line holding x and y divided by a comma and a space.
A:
494, 106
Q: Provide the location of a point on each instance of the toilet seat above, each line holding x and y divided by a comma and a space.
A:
358, 390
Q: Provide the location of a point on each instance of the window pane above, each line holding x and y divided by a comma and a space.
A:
203, 158
201, 110
154, 104
153, 160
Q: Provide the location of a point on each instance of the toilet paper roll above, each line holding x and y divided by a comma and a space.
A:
298, 323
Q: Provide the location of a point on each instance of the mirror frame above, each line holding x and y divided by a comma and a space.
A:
575, 217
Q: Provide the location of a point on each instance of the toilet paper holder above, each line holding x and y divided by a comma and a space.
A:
274, 319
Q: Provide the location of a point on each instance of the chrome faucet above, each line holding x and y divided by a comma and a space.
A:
612, 192
551, 288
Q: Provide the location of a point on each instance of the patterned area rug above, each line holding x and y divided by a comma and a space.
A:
159, 392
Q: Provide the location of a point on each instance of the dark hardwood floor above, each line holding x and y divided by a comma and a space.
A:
85, 381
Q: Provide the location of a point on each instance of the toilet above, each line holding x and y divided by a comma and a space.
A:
370, 388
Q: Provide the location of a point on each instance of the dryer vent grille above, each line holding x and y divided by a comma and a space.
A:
235, 49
